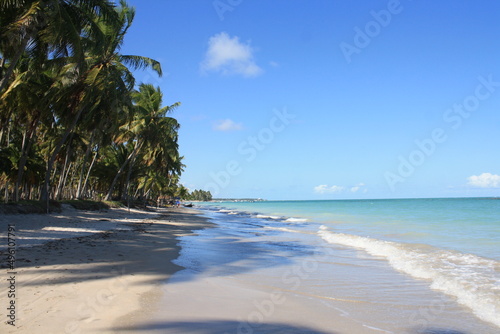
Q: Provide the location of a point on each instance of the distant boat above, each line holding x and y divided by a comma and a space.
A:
190, 205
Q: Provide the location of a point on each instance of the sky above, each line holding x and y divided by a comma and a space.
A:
316, 99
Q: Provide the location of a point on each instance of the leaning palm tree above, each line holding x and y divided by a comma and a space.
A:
25, 109
162, 160
105, 84
148, 125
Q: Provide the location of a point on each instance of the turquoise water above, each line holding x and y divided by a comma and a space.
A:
450, 246
470, 225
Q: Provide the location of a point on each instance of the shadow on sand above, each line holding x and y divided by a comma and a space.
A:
218, 327
439, 331
114, 253
145, 249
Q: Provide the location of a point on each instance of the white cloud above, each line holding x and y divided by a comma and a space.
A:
227, 125
227, 55
357, 187
325, 189
485, 180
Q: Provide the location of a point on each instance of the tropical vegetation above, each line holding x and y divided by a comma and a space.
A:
74, 123
199, 195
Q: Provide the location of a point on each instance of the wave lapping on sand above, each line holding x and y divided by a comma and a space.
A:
469, 278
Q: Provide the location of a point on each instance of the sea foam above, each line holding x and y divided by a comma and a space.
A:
296, 220
267, 217
474, 281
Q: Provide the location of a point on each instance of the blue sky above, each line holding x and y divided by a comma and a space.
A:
329, 99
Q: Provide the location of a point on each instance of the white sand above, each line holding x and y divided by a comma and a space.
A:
108, 269
108, 275
34, 229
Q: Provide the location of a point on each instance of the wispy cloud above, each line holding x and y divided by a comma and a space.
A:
485, 180
335, 189
227, 125
229, 56
325, 189
358, 187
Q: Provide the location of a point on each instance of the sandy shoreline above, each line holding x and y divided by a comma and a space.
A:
107, 271
112, 272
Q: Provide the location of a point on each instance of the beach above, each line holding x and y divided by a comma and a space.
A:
240, 268
113, 272
322, 167
361, 266
89, 272
110, 271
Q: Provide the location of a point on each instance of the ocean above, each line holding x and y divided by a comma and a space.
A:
390, 266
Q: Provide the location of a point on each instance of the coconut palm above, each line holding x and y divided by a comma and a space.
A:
43, 27
149, 128
105, 83
69, 115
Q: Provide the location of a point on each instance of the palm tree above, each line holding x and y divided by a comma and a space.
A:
150, 126
42, 27
69, 114
34, 34
106, 81
25, 108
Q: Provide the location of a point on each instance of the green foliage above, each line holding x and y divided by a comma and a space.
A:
73, 123
114, 204
199, 195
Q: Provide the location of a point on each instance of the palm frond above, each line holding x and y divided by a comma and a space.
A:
139, 62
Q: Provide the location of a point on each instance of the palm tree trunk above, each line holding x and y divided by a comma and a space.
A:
5, 127
88, 172
65, 180
62, 178
25, 148
45, 194
120, 171
22, 163
6, 196
2, 65
127, 183
65, 169
82, 171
